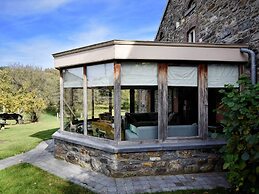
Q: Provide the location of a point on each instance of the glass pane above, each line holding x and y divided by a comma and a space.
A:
182, 76
215, 118
73, 100
138, 74
73, 110
73, 78
100, 112
139, 116
221, 74
100, 75
183, 111
100, 101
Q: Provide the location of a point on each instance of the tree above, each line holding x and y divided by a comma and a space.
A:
28, 89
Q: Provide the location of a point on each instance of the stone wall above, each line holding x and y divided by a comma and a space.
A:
215, 21
142, 163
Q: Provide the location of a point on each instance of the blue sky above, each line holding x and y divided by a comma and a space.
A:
31, 30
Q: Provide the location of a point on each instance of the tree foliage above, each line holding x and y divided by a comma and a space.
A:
241, 127
28, 89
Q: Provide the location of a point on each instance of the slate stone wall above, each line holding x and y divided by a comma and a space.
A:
141, 163
215, 21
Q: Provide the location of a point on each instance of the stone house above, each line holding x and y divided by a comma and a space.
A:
211, 21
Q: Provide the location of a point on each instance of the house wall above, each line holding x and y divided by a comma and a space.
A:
140, 163
215, 21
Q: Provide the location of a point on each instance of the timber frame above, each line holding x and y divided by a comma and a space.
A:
163, 54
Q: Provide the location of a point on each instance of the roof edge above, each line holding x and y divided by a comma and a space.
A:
144, 43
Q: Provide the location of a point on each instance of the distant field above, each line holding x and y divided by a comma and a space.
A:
15, 139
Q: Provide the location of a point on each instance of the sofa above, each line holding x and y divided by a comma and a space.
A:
144, 126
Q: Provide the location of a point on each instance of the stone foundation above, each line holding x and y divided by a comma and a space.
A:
140, 163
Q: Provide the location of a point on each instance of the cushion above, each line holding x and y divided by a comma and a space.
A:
133, 129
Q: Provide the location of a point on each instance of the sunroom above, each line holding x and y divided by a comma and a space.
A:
132, 108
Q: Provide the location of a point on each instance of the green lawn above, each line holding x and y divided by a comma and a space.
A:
15, 139
25, 178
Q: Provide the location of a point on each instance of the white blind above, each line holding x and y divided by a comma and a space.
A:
220, 74
100, 75
73, 78
182, 76
138, 74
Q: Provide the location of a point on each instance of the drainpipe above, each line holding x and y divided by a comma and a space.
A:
253, 63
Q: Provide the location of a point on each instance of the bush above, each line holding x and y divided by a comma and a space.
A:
241, 127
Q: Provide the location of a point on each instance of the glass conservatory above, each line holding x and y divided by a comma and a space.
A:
129, 106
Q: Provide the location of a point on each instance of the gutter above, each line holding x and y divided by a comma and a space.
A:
252, 62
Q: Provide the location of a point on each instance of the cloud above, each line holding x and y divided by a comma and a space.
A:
92, 34
29, 7
35, 51
39, 49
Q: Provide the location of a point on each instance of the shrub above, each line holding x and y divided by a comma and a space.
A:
241, 127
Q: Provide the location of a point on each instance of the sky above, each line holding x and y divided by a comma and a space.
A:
32, 30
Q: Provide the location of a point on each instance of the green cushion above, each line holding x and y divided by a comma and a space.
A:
133, 129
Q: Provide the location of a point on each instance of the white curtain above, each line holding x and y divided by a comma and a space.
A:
182, 76
73, 78
100, 75
138, 74
219, 75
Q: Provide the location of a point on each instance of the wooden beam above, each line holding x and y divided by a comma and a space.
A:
132, 100
61, 100
203, 100
162, 101
117, 102
85, 99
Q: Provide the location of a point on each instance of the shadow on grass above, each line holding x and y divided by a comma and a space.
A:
44, 135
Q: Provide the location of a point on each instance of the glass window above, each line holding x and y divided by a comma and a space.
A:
221, 74
182, 101
214, 118
73, 100
139, 101
191, 36
100, 101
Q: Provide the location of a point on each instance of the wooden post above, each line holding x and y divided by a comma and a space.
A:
132, 100
117, 102
92, 103
162, 101
61, 100
203, 100
85, 99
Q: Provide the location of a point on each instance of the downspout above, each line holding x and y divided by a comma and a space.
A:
253, 63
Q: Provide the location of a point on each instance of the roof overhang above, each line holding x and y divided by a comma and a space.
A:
149, 50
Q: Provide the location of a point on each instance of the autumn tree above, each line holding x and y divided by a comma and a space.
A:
28, 89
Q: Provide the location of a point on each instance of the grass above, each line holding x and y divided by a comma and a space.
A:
25, 179
16, 139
